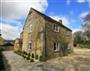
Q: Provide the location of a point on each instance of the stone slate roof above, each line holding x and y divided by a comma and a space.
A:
50, 19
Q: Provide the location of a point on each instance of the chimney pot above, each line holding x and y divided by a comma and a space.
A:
60, 21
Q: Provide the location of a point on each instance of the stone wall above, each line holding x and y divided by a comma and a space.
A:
52, 36
43, 36
35, 36
17, 45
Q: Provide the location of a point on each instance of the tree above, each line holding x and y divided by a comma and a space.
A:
77, 37
86, 26
83, 37
87, 17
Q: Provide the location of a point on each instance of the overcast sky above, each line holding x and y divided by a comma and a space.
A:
13, 13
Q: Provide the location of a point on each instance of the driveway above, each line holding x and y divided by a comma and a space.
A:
79, 60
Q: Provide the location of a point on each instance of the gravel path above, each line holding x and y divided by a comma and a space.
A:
77, 61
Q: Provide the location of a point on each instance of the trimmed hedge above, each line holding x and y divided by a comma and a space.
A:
85, 46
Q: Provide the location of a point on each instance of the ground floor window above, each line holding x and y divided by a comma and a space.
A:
30, 44
56, 46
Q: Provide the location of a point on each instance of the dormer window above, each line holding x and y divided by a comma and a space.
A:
30, 28
56, 28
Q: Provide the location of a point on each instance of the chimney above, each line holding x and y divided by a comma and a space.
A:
60, 21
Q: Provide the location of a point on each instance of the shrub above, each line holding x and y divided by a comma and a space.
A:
32, 55
85, 45
31, 60
28, 56
36, 57
24, 54
18, 52
41, 58
65, 50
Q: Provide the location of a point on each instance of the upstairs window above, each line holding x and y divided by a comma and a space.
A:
30, 45
30, 28
56, 28
56, 46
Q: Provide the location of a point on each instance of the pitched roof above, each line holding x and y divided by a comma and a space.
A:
49, 18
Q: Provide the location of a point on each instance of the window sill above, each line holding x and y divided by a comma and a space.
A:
56, 31
55, 51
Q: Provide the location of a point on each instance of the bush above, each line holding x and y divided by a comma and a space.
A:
36, 57
41, 58
32, 55
24, 56
65, 50
28, 56
18, 52
31, 60
85, 45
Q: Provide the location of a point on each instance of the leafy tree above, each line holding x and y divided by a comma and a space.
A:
86, 26
83, 37
77, 37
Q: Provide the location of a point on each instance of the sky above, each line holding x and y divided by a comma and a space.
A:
14, 12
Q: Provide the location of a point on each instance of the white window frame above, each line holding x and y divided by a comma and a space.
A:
30, 44
56, 46
30, 28
56, 28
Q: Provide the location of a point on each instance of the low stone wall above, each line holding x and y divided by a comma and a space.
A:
2, 68
78, 61
14, 62
6, 62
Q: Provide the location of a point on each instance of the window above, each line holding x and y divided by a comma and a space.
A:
56, 46
30, 44
56, 28
30, 27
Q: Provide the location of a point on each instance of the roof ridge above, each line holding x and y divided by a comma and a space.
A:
45, 16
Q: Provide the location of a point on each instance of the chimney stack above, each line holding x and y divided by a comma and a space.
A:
60, 21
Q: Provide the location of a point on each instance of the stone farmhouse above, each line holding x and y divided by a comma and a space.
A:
45, 37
